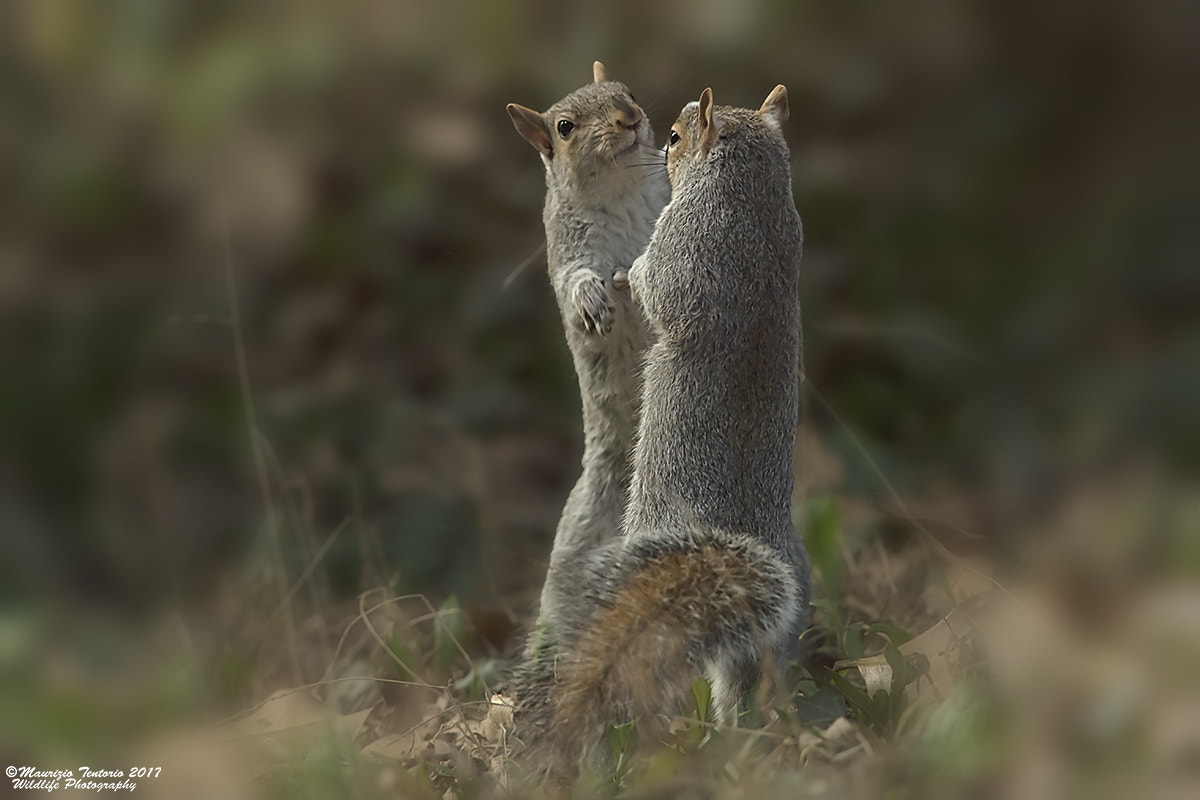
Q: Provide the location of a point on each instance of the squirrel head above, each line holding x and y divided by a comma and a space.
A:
701, 126
597, 127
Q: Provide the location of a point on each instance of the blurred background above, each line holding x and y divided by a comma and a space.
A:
1001, 294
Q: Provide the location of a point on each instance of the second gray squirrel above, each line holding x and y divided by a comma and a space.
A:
710, 577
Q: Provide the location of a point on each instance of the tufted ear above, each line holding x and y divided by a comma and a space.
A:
774, 109
600, 73
532, 126
709, 130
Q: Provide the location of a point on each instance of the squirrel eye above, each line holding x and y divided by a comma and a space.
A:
565, 126
674, 140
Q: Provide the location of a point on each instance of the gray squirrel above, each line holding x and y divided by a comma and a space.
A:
710, 578
605, 186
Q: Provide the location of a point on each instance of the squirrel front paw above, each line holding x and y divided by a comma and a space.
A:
593, 304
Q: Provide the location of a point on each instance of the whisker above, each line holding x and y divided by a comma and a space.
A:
517, 270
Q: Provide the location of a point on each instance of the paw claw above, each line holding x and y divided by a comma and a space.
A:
594, 305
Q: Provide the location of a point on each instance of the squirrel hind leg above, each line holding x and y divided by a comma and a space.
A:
745, 686
727, 694
731, 683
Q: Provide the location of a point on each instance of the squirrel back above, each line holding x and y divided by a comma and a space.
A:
719, 286
710, 578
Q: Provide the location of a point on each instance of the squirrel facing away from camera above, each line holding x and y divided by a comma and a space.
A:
605, 186
710, 577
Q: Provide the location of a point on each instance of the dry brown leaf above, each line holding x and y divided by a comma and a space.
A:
876, 673
499, 720
398, 747
811, 747
841, 740
292, 721
284, 710
940, 647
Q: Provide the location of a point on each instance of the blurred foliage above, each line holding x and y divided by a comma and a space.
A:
1002, 278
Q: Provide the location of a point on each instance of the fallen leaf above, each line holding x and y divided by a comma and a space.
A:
294, 721
940, 650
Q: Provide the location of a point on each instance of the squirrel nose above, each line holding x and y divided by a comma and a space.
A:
628, 117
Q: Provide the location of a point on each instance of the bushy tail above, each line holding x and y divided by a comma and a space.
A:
679, 606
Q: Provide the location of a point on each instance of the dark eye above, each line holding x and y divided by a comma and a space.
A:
631, 97
565, 126
674, 140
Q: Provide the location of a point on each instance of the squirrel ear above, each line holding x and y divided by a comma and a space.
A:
774, 109
708, 126
600, 72
532, 126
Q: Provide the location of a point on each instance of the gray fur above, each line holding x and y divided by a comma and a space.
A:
692, 625
602, 197
710, 576
719, 284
